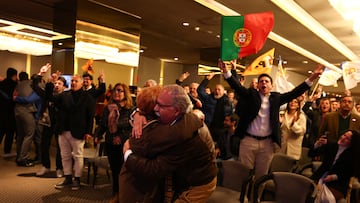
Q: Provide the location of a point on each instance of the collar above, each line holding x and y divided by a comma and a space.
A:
345, 116
86, 89
176, 120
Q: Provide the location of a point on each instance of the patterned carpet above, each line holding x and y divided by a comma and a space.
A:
19, 184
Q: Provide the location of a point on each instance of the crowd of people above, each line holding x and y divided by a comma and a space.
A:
164, 144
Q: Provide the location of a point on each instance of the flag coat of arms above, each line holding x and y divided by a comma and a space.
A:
329, 77
261, 64
351, 74
244, 35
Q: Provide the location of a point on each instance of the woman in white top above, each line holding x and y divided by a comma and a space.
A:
293, 126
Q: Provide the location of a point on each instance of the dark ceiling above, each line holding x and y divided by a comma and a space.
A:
159, 23
163, 36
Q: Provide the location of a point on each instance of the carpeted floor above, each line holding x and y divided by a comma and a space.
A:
19, 184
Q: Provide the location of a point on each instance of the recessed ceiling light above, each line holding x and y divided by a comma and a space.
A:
309, 71
305, 62
141, 50
209, 31
185, 24
197, 28
60, 43
218, 36
176, 58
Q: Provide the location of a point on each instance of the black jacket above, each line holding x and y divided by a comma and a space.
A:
74, 116
343, 167
249, 105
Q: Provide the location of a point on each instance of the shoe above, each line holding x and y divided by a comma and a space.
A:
63, 184
75, 185
25, 163
42, 171
59, 173
9, 155
35, 161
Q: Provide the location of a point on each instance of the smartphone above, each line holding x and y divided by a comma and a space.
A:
325, 135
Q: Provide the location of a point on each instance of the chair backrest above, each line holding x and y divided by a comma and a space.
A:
292, 187
304, 158
235, 174
101, 160
282, 163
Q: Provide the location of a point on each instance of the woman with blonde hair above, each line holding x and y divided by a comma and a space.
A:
293, 127
115, 124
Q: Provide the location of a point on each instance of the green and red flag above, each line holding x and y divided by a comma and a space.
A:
244, 35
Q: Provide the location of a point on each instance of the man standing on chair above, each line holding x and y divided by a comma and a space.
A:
259, 125
75, 125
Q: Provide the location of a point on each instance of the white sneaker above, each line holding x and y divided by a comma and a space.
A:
59, 173
42, 171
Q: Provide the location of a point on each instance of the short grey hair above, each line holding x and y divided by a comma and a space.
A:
180, 98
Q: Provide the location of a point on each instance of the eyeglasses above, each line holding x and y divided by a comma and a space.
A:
163, 105
119, 90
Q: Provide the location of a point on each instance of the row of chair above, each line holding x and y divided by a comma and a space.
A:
287, 181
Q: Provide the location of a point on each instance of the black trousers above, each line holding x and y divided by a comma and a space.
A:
116, 160
46, 136
8, 133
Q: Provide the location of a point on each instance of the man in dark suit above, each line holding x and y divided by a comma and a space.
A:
337, 166
7, 115
338, 121
75, 121
259, 125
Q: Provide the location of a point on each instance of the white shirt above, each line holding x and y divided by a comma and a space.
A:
260, 126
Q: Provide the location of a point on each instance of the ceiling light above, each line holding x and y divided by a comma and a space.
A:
305, 62
223, 10
24, 46
30, 31
185, 24
176, 58
217, 7
101, 52
141, 50
349, 10
304, 52
121, 48
197, 28
299, 14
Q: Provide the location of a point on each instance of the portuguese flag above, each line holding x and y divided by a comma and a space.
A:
244, 35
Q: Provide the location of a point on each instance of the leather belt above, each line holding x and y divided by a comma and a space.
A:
258, 137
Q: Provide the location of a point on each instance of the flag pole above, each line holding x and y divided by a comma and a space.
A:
316, 86
236, 65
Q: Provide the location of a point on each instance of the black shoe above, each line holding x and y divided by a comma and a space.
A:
75, 185
35, 162
25, 163
63, 184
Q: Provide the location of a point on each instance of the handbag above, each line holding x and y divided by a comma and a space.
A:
324, 194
